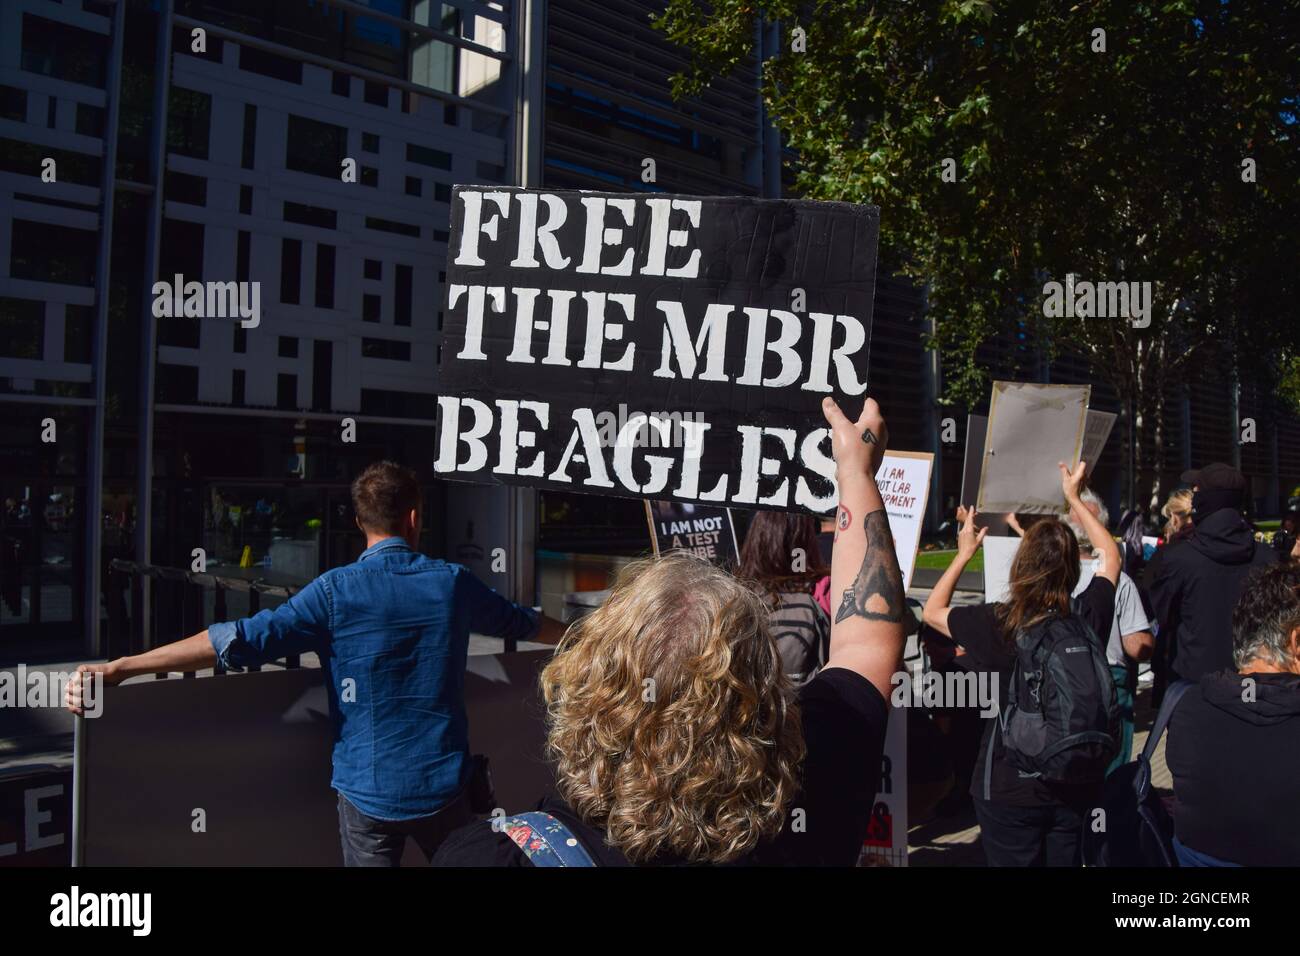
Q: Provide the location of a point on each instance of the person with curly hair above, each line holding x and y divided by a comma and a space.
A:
675, 734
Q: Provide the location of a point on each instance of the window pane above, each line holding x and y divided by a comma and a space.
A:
64, 52
22, 328
315, 147
50, 253
324, 276
290, 270
189, 115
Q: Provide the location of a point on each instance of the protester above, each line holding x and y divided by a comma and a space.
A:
781, 561
1233, 738
1024, 820
392, 633
1178, 527
1130, 639
671, 724
1197, 584
1286, 540
1177, 513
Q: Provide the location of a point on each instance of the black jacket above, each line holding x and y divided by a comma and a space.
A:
1196, 587
1236, 777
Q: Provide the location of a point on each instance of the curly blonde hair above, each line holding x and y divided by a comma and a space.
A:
670, 720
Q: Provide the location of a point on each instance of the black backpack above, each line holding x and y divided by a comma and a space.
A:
1062, 720
1138, 829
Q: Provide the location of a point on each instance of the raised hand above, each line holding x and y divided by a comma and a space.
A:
857, 446
1072, 480
968, 538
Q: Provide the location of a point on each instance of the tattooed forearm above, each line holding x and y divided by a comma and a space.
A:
877, 591
842, 521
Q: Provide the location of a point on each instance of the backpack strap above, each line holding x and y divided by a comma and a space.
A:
1173, 694
1142, 779
545, 840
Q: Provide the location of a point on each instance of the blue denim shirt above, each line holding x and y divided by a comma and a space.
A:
392, 632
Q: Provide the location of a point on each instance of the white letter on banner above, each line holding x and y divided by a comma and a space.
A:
757, 347
659, 465
472, 224
451, 436
473, 348
677, 341
512, 439
531, 236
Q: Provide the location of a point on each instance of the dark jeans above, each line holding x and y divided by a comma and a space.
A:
1189, 857
371, 842
1049, 835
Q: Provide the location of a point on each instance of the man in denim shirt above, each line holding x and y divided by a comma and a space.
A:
392, 633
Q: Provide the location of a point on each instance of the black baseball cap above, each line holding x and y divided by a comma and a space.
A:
1215, 476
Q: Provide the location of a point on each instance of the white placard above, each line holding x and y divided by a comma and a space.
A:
886, 843
998, 555
904, 482
1031, 428
1096, 431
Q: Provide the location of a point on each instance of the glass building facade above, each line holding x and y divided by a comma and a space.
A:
306, 147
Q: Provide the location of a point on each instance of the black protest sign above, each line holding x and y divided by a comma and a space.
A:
652, 346
703, 530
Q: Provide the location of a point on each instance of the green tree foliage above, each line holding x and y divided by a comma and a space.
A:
1117, 165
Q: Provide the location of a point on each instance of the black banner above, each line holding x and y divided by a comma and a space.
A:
652, 346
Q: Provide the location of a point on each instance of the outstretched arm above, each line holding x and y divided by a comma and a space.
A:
193, 653
866, 585
299, 624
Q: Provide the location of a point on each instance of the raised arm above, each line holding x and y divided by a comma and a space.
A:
939, 602
1102, 543
867, 599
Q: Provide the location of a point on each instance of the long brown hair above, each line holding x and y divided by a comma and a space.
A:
1043, 576
768, 555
